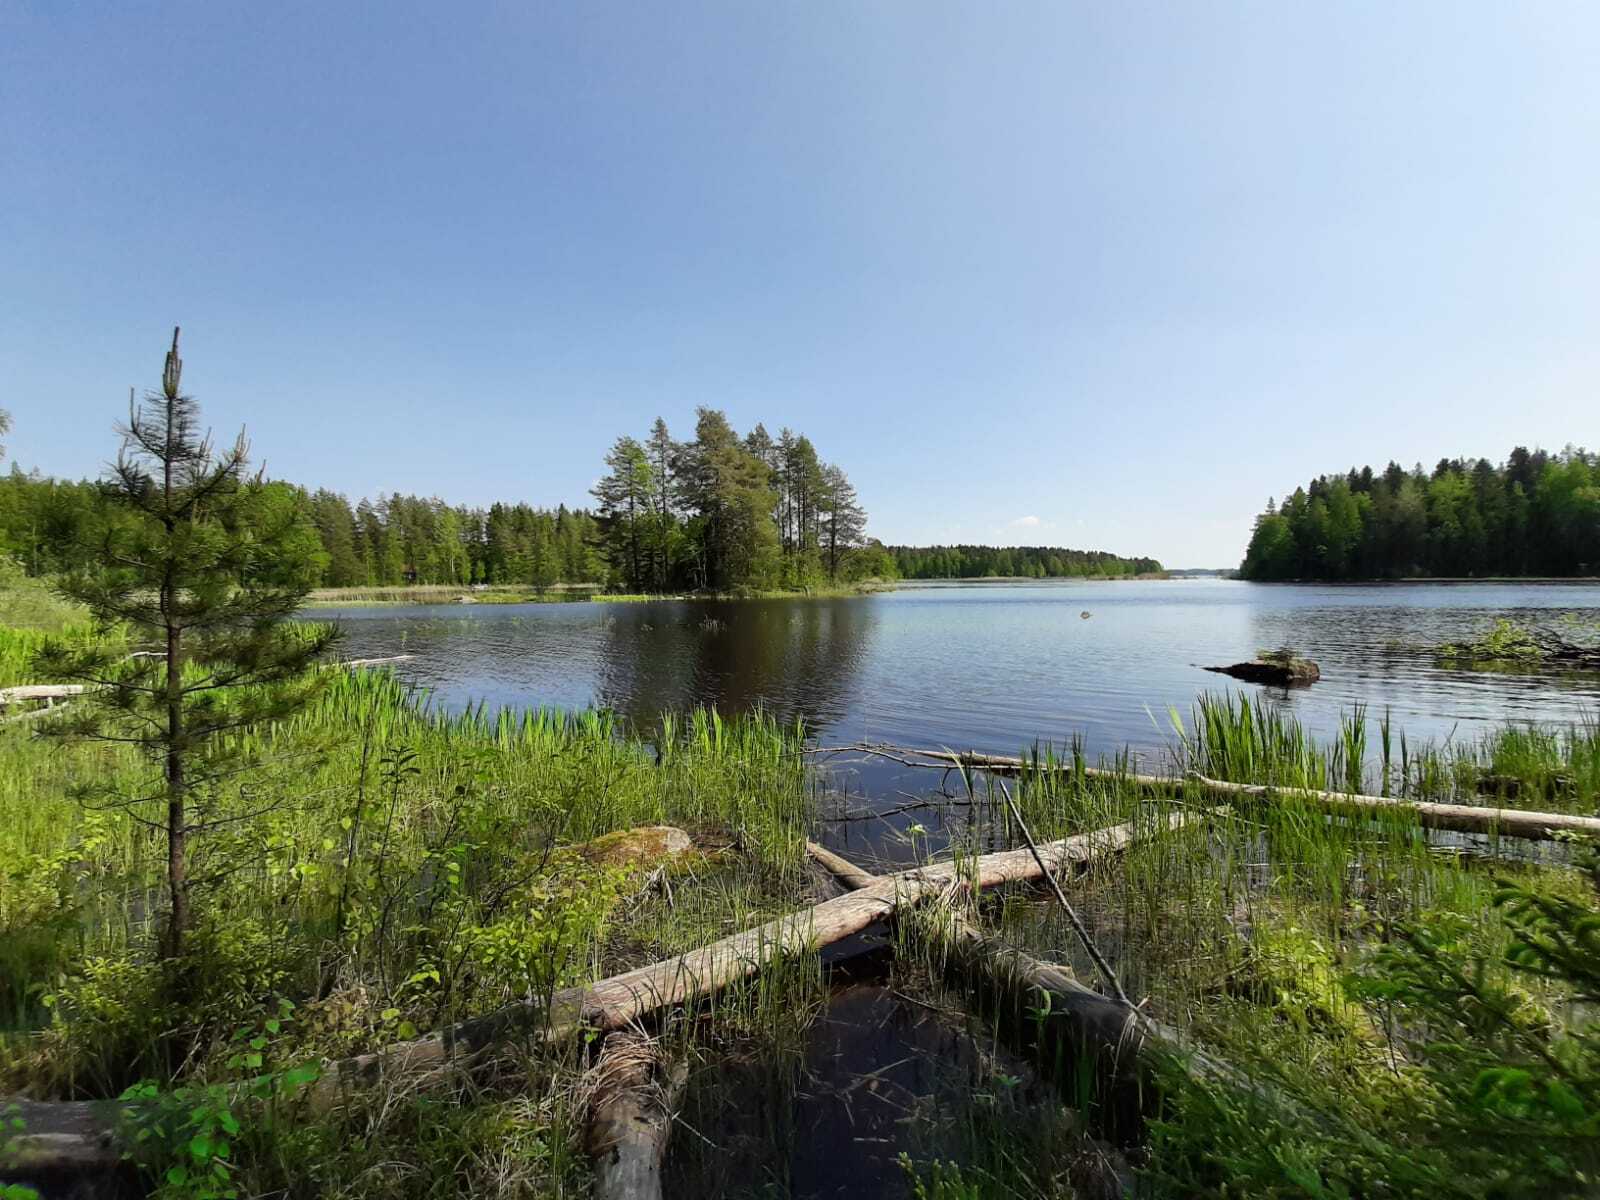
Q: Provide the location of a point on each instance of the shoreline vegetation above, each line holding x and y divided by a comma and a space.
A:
571, 594
579, 593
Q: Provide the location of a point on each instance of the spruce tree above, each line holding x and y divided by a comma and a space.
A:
202, 565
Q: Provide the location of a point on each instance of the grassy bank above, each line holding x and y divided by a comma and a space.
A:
384, 871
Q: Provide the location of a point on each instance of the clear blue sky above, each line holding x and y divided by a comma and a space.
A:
1105, 275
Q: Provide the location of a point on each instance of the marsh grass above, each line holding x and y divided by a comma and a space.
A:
386, 868
1265, 931
396, 867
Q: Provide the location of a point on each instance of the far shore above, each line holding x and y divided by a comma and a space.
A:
563, 593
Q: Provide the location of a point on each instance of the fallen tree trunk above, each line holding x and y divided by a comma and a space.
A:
622, 1001
1456, 818
40, 691
60, 691
1079, 1032
630, 1117
32, 714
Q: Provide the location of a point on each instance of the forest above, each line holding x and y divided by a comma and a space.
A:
395, 539
1003, 562
718, 512
1536, 514
725, 513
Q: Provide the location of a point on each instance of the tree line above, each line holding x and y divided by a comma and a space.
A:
727, 513
715, 512
1029, 562
1534, 514
45, 524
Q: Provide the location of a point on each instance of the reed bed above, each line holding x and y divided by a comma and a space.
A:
1376, 980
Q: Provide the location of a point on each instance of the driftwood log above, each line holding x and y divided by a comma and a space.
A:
352, 663
1079, 1031
61, 691
635, 1092
623, 1000
39, 691
1456, 818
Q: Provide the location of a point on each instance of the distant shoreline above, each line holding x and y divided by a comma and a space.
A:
465, 596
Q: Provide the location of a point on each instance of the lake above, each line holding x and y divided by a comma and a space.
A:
990, 666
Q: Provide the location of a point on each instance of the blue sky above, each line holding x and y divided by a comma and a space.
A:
1100, 275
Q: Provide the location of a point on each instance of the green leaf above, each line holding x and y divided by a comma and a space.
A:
303, 1074
1564, 1102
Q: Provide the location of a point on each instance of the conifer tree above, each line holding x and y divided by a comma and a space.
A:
203, 566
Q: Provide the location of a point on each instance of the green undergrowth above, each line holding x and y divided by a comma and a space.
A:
385, 870
1413, 1012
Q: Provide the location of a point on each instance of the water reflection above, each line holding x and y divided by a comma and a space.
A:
991, 668
794, 659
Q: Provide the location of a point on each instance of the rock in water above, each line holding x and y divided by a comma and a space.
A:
1282, 671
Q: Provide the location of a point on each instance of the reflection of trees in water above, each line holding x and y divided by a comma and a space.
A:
793, 658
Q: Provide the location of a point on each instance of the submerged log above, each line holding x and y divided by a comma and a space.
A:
1456, 818
351, 664
64, 1148
630, 1116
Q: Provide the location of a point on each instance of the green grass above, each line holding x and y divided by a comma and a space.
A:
1277, 937
388, 868
32, 604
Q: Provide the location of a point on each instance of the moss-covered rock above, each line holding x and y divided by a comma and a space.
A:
646, 847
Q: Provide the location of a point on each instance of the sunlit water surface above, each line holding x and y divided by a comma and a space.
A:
989, 666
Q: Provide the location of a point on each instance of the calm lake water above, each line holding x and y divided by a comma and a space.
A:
990, 666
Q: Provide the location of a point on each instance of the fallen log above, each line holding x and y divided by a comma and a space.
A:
1456, 818
630, 1116
58, 691
1081, 1031
40, 691
32, 714
353, 663
59, 1145
623, 1001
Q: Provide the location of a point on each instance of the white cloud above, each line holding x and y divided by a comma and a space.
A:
1025, 523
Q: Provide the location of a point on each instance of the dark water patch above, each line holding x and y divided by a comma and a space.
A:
882, 1074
